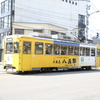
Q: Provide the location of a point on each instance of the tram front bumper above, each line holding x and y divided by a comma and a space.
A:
9, 68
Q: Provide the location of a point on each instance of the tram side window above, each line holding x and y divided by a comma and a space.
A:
56, 49
63, 50
98, 52
87, 51
16, 47
82, 51
70, 50
26, 47
38, 48
48, 48
9, 48
92, 51
76, 51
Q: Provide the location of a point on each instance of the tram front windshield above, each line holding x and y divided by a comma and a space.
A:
12, 47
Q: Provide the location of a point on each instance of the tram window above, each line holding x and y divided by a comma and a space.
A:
98, 52
76, 51
26, 47
70, 50
81, 51
87, 51
56, 49
84, 51
92, 51
48, 49
9, 48
16, 47
38, 48
63, 50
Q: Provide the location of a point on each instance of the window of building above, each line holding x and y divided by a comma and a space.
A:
2, 23
9, 5
19, 31
6, 6
6, 22
75, 3
38, 48
66, 0
3, 35
26, 47
13, 4
69, 1
9, 21
2, 7
63, 33
54, 32
38, 31
48, 48
62, 0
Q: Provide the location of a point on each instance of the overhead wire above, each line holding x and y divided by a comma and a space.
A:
91, 19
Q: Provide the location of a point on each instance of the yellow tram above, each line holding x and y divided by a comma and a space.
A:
27, 53
98, 57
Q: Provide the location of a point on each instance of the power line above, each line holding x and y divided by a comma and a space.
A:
41, 9
42, 13
95, 8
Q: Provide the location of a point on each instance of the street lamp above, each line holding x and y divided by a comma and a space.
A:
94, 12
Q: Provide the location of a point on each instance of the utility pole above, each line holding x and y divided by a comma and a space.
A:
87, 20
87, 16
11, 18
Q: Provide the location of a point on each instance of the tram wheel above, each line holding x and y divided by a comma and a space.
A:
19, 72
7, 70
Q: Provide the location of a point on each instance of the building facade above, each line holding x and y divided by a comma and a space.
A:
62, 17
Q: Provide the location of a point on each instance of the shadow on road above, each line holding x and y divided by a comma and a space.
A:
61, 72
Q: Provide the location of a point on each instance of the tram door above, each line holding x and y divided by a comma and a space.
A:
26, 56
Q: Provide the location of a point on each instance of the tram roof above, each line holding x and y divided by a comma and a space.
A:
57, 41
66, 43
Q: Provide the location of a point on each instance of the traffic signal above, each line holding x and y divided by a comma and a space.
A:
97, 36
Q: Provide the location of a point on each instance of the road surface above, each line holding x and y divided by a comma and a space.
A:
69, 85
